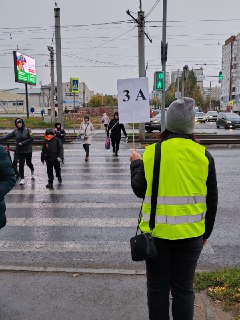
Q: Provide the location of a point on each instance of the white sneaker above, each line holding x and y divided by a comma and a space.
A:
33, 177
22, 182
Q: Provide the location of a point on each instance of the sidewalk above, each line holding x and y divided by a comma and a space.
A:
75, 296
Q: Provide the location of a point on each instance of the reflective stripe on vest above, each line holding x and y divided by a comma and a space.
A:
177, 200
175, 220
181, 202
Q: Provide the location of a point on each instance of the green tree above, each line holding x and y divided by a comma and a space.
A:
191, 89
170, 94
107, 100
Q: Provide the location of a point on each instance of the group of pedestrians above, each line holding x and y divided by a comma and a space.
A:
52, 151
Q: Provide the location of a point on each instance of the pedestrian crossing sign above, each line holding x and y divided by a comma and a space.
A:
74, 85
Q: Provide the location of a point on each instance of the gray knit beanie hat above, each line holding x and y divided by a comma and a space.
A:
181, 116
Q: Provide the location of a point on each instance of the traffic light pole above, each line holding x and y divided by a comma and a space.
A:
164, 60
58, 64
52, 93
141, 60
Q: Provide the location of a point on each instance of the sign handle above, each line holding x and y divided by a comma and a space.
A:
133, 137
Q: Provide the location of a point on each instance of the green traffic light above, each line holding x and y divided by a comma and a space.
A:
159, 78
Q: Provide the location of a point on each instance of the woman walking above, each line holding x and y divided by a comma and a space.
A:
105, 121
24, 141
86, 132
115, 128
185, 213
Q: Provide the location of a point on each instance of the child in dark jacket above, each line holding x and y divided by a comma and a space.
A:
59, 131
52, 154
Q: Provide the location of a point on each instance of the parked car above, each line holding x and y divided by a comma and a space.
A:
228, 120
154, 124
211, 116
200, 117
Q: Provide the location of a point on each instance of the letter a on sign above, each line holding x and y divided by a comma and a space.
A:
133, 100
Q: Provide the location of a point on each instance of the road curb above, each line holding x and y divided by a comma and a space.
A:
73, 270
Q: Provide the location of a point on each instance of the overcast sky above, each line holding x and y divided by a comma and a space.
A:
196, 32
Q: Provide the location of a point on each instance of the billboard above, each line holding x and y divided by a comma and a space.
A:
25, 68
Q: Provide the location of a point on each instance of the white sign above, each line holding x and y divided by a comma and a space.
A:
133, 100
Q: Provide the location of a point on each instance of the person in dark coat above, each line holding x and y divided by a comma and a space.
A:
52, 154
7, 182
59, 131
115, 128
24, 141
180, 232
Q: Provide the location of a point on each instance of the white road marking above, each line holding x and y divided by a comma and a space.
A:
67, 246
73, 222
73, 205
72, 191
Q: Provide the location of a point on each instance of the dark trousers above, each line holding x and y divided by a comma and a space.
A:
106, 126
173, 270
86, 148
115, 144
22, 157
56, 165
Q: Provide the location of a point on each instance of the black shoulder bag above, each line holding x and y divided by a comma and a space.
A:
143, 245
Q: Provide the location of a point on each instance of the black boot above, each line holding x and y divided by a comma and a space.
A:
49, 185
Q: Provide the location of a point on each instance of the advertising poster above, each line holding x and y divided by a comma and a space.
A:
25, 68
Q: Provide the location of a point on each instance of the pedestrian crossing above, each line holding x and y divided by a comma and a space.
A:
85, 222
94, 211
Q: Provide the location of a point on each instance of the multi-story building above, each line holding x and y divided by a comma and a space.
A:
215, 93
230, 90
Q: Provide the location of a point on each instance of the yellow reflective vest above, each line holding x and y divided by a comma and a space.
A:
181, 202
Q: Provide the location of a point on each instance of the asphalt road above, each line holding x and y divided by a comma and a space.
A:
88, 220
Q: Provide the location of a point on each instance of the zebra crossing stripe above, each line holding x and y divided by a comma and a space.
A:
72, 222
66, 246
72, 192
73, 205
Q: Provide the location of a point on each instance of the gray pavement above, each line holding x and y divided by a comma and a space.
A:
87, 221
76, 296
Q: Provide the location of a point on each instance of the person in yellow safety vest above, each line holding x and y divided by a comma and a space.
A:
185, 212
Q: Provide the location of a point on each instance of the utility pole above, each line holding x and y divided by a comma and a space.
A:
84, 94
140, 21
164, 47
210, 102
52, 92
58, 64
178, 84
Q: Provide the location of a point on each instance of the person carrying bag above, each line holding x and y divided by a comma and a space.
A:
86, 132
185, 211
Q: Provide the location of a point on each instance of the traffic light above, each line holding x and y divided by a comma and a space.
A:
159, 80
220, 77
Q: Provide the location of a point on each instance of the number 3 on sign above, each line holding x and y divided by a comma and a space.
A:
140, 95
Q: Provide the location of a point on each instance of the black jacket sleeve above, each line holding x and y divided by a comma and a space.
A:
8, 136
123, 130
138, 180
212, 197
7, 176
